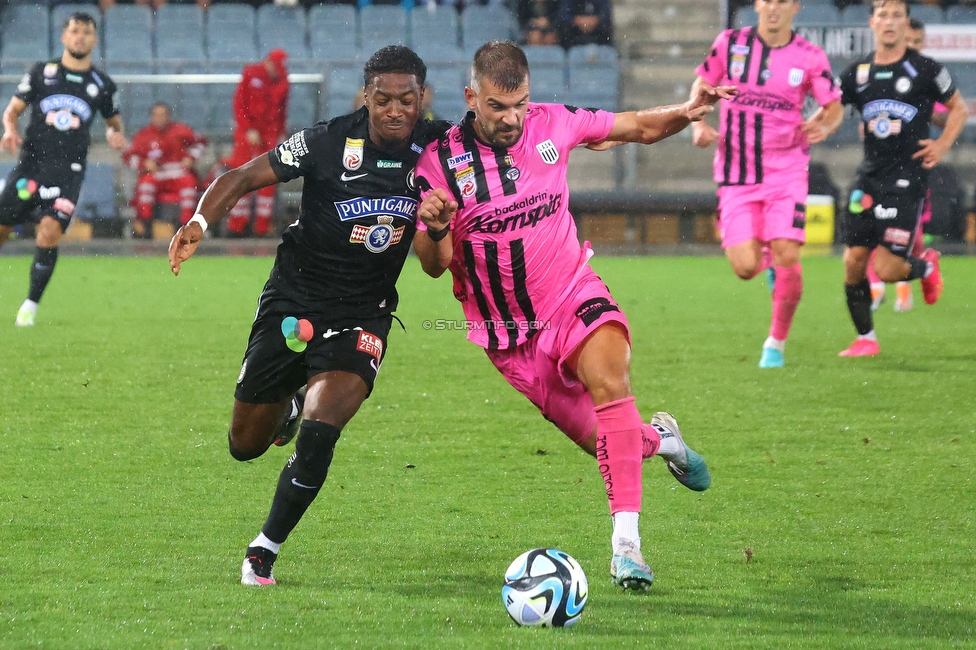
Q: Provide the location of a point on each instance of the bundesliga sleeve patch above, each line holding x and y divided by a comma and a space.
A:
292, 150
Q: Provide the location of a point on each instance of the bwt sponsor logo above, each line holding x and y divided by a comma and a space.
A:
394, 206
508, 220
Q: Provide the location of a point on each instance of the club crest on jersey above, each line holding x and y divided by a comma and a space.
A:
92, 90
378, 237
548, 151
411, 179
466, 183
903, 85
863, 73
883, 126
796, 77
352, 154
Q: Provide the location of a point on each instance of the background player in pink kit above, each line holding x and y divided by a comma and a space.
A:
495, 212
764, 151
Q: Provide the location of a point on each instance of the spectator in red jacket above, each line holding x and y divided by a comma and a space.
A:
260, 111
164, 153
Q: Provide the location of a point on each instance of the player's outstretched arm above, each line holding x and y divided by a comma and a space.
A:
824, 122
654, 124
931, 151
222, 195
11, 140
435, 246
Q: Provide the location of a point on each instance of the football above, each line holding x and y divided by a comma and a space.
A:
545, 587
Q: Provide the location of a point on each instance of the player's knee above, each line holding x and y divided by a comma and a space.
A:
244, 447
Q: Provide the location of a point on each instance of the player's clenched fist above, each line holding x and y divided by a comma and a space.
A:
437, 209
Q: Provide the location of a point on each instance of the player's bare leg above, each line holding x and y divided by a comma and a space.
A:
42, 268
746, 258
333, 398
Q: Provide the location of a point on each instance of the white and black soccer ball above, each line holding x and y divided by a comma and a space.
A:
546, 587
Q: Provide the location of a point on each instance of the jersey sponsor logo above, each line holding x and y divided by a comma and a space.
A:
741, 50
92, 90
25, 188
389, 164
370, 344
881, 212
902, 182
465, 158
592, 309
50, 69
890, 108
863, 74
859, 202
345, 177
943, 80
391, 206
548, 151
466, 183
903, 85
910, 69
508, 220
25, 84
378, 237
416, 148
352, 154
74, 78
765, 101
73, 106
98, 80
796, 77
48, 193
898, 237
76, 167
766, 74
292, 150
882, 75
64, 206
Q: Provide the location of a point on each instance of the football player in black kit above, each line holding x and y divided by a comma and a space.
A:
326, 311
894, 88
64, 95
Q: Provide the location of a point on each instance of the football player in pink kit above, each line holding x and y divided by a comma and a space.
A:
761, 163
495, 212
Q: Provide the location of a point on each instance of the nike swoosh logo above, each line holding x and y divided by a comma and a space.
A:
346, 177
307, 487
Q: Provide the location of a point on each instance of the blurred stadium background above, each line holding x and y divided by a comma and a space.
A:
635, 198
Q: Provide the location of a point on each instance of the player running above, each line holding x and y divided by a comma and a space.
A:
43, 188
763, 154
894, 88
495, 212
325, 313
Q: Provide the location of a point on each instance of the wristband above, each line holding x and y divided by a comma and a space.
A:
198, 218
438, 235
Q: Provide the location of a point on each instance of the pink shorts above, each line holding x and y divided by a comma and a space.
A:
774, 209
539, 367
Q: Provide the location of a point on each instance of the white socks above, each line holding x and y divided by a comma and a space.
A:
264, 542
774, 344
29, 305
625, 528
870, 336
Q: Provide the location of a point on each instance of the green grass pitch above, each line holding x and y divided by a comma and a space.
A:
842, 512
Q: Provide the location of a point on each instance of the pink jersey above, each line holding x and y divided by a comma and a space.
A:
516, 252
759, 132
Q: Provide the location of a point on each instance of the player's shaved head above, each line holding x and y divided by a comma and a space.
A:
395, 59
503, 63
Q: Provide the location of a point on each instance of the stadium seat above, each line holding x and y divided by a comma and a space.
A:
817, 15
483, 23
547, 71
332, 32
128, 35
439, 27
593, 76
442, 54
25, 31
928, 14
856, 15
221, 95
179, 33
745, 17
342, 85
230, 33
381, 25
97, 197
283, 27
448, 83
964, 74
961, 15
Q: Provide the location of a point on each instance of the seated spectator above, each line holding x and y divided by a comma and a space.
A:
164, 153
427, 104
537, 22
584, 22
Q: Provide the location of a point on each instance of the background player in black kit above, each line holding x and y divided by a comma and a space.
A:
894, 88
64, 95
325, 313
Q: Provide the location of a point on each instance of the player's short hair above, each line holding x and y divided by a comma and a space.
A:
80, 17
877, 4
916, 24
503, 63
395, 59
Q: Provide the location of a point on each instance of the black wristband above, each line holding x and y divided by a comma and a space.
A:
437, 235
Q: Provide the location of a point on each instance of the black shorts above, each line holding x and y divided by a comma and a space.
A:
884, 215
277, 364
34, 191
